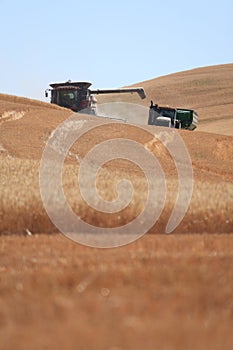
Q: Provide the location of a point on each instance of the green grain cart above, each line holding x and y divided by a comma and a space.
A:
178, 118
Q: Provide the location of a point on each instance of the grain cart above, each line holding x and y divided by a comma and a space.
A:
179, 118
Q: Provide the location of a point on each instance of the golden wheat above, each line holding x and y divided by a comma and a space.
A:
21, 206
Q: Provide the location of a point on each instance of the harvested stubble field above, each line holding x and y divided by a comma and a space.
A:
163, 291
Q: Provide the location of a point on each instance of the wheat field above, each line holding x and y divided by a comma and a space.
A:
165, 291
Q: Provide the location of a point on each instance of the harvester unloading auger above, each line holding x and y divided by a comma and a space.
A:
77, 96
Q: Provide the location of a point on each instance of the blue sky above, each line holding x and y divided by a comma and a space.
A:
110, 44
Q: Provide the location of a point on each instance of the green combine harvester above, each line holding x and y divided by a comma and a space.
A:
178, 118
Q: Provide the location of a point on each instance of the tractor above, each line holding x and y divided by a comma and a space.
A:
178, 118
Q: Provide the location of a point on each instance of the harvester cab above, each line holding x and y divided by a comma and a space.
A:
77, 96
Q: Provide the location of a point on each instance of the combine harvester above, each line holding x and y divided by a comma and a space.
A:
78, 97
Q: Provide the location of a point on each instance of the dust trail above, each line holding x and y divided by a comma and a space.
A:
126, 112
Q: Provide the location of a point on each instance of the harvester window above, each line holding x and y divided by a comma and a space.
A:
67, 97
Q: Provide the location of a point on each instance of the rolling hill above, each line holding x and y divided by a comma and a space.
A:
208, 90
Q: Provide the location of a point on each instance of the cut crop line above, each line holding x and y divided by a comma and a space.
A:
9, 116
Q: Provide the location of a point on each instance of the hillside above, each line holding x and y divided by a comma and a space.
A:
208, 90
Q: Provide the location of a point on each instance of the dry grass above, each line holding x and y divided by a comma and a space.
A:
19, 101
20, 204
21, 207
